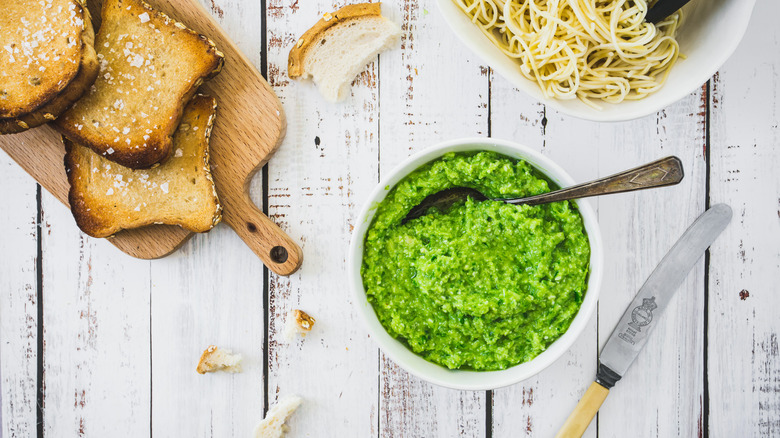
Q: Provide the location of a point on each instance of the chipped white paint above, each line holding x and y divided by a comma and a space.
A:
96, 332
210, 292
325, 167
18, 302
419, 107
122, 336
662, 393
744, 326
525, 409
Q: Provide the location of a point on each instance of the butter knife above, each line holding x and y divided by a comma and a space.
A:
641, 316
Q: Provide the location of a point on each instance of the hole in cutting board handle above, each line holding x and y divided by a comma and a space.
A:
279, 254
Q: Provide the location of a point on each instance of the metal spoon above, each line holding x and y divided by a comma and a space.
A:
662, 9
664, 172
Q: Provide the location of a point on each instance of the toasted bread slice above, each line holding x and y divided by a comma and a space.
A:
52, 109
340, 45
218, 359
40, 52
150, 66
106, 197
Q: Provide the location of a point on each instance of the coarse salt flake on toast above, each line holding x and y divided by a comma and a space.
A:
106, 197
47, 60
150, 67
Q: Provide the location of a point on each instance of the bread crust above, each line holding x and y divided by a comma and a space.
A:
41, 57
85, 77
210, 361
154, 111
99, 215
302, 46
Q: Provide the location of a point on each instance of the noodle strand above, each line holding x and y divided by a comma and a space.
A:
588, 49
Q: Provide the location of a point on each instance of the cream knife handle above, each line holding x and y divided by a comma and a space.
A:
584, 412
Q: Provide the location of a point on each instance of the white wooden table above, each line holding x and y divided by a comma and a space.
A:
95, 343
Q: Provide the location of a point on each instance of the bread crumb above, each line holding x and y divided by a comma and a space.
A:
273, 425
298, 323
218, 359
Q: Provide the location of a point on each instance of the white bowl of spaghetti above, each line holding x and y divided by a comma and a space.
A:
598, 59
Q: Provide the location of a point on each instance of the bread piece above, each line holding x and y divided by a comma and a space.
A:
273, 425
47, 60
340, 45
106, 197
150, 66
52, 109
298, 323
40, 52
218, 359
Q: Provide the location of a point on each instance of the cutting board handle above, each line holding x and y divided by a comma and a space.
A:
275, 248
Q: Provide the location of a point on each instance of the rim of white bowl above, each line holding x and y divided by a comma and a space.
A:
465, 379
455, 19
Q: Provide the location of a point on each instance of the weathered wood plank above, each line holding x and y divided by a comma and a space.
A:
316, 183
743, 353
430, 91
661, 394
98, 302
588, 150
96, 332
210, 292
526, 409
18, 301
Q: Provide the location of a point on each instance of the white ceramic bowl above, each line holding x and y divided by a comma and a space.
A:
473, 380
710, 33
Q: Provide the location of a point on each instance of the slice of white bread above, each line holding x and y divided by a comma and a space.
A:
218, 359
273, 425
106, 197
340, 45
47, 60
150, 67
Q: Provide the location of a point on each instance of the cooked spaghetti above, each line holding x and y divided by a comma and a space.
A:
590, 49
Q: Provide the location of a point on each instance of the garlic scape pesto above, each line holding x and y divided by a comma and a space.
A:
484, 285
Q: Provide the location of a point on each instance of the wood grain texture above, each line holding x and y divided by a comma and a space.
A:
430, 91
122, 336
639, 228
97, 337
316, 184
192, 308
18, 303
572, 143
40, 153
743, 353
247, 131
210, 292
525, 409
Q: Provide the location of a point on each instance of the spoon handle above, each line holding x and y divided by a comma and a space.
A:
664, 172
663, 9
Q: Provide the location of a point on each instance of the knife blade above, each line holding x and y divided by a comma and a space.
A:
641, 316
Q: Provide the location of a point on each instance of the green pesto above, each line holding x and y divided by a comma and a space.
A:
485, 285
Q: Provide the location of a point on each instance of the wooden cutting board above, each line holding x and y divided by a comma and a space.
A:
249, 127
